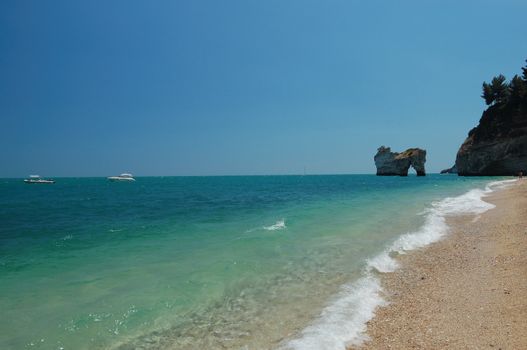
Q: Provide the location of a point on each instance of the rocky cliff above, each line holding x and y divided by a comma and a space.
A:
394, 163
497, 146
451, 170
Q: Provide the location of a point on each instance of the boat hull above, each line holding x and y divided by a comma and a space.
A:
39, 181
120, 179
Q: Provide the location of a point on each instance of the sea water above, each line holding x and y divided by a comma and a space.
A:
241, 262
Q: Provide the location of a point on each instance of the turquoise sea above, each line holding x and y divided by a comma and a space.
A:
241, 262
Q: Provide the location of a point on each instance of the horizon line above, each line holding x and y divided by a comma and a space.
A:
227, 175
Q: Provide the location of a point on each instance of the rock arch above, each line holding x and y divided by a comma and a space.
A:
394, 163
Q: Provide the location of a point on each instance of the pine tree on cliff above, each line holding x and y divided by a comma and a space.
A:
488, 95
513, 94
497, 92
518, 90
524, 96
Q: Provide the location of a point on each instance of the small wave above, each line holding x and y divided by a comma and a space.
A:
500, 184
279, 225
343, 321
61, 242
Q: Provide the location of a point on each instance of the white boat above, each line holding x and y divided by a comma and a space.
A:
122, 177
36, 179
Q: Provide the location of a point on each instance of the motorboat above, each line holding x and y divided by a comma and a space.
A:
36, 179
122, 177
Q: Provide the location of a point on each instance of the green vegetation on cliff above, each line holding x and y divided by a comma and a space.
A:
511, 94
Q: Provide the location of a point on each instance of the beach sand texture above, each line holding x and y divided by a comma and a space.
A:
468, 291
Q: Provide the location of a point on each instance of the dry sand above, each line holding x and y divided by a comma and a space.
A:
468, 291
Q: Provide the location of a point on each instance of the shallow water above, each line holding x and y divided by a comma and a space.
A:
200, 262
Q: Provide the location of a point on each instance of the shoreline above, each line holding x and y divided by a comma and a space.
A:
463, 291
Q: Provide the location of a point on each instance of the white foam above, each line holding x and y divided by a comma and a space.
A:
433, 230
343, 321
501, 184
279, 225
383, 262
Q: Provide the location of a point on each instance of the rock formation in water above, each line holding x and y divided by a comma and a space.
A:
451, 170
498, 145
393, 163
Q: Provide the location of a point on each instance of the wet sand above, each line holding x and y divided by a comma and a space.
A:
468, 291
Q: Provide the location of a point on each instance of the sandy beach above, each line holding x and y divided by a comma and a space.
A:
467, 291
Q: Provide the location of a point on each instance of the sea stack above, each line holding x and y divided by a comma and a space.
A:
397, 164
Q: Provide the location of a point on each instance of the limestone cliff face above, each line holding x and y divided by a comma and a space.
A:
393, 163
497, 146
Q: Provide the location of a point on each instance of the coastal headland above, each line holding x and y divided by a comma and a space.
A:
467, 291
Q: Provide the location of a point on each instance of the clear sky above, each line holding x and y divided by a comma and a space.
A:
193, 87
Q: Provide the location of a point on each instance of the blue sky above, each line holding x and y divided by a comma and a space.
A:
92, 88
